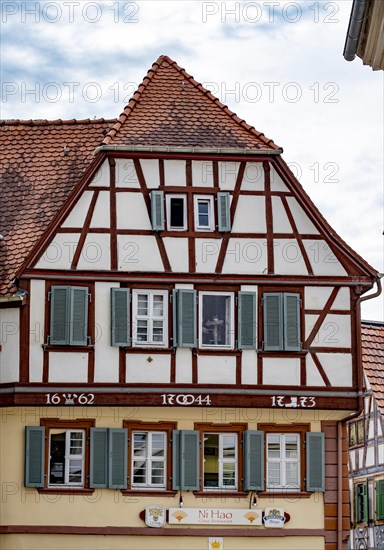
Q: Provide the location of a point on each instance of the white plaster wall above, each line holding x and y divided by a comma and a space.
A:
101, 216
249, 366
9, 356
206, 254
174, 172
150, 168
177, 252
36, 339
202, 173
183, 366
246, 256
381, 453
316, 296
227, 175
131, 211
288, 257
140, 370
106, 356
343, 299
353, 461
338, 368
216, 370
138, 253
250, 215
68, 367
313, 375
77, 215
334, 332
322, 259
95, 254
253, 179
379, 430
277, 183
361, 456
126, 173
281, 222
59, 254
281, 372
102, 177
310, 321
370, 457
303, 223
371, 432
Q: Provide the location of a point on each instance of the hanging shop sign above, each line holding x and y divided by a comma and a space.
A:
155, 516
214, 516
274, 517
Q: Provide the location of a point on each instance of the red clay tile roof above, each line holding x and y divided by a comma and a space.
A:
171, 108
372, 339
36, 177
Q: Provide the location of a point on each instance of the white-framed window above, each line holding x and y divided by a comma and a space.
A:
176, 206
220, 461
66, 457
149, 459
283, 461
216, 326
204, 216
150, 310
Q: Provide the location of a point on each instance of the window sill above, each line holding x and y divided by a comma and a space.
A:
281, 353
149, 492
147, 348
284, 494
221, 493
66, 347
66, 491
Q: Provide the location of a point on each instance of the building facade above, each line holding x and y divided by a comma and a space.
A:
366, 447
181, 334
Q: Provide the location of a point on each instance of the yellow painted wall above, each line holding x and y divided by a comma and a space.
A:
106, 507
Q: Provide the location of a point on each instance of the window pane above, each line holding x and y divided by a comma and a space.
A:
211, 460
157, 473
76, 443
360, 431
139, 471
203, 213
57, 458
75, 471
158, 310
177, 212
229, 446
140, 444
142, 304
216, 315
291, 446
142, 330
158, 444
157, 331
229, 474
273, 474
292, 474
273, 446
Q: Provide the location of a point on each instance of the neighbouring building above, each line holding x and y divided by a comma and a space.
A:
180, 334
366, 447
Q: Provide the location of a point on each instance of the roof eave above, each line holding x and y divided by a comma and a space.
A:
196, 150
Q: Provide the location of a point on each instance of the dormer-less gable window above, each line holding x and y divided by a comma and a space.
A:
176, 212
281, 314
204, 218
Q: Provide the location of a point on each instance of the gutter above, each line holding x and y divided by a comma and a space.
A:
352, 416
354, 29
11, 301
194, 150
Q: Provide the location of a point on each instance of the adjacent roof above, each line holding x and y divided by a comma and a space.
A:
372, 339
171, 109
41, 163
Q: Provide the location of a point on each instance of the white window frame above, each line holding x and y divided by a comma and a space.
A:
150, 318
222, 461
283, 461
68, 457
168, 199
149, 459
231, 331
211, 216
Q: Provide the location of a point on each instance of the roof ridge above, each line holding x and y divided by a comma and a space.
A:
58, 122
150, 74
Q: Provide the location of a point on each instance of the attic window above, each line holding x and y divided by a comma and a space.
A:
176, 212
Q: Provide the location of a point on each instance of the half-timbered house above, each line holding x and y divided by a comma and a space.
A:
366, 447
181, 334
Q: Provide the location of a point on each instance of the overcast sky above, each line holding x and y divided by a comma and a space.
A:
277, 64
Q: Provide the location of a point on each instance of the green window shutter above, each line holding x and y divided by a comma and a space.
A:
98, 457
117, 461
189, 460
315, 454
247, 320
120, 325
174, 319
59, 321
223, 212
186, 318
380, 499
176, 459
361, 502
273, 321
157, 210
253, 460
78, 335
292, 341
34, 456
